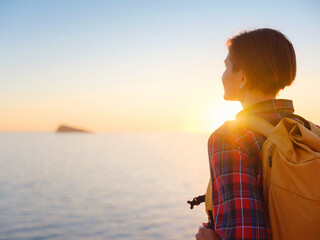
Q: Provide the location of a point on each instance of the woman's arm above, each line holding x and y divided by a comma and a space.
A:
237, 201
205, 233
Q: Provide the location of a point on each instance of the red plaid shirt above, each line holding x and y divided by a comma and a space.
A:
235, 168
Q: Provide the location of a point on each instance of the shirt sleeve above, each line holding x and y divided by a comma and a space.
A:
237, 201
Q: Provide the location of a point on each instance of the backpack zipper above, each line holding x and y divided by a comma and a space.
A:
270, 155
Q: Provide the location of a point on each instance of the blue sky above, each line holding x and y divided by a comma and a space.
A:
156, 64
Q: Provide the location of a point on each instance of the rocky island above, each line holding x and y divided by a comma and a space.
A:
68, 129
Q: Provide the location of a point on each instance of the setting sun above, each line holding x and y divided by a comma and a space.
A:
224, 112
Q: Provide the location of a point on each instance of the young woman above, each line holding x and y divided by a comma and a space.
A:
259, 64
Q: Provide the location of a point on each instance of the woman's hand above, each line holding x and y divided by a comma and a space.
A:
205, 233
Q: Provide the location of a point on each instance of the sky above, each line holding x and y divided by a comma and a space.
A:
131, 65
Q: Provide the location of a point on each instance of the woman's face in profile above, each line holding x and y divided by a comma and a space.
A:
231, 81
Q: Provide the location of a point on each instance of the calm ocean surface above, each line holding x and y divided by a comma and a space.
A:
101, 186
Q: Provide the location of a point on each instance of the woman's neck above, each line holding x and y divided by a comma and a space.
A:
253, 97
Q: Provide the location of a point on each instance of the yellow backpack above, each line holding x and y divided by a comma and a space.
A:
291, 176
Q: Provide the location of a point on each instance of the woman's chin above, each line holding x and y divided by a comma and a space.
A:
229, 98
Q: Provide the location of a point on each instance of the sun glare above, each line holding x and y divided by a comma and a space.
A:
212, 117
223, 112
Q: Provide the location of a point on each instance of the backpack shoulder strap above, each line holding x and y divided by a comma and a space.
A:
262, 126
256, 124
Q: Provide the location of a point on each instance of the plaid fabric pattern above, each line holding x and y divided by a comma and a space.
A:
235, 168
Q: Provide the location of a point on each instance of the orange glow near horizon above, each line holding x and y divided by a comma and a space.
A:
46, 117
131, 111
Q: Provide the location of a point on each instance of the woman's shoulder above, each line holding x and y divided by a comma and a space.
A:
229, 128
227, 132
234, 134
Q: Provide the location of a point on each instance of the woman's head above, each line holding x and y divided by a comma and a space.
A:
264, 57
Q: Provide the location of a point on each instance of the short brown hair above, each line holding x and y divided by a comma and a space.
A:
266, 57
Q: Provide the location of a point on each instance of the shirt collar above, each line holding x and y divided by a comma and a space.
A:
269, 106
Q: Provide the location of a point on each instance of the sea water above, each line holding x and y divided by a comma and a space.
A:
102, 185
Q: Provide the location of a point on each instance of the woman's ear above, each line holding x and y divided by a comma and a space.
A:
243, 81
